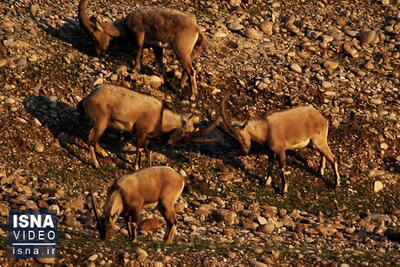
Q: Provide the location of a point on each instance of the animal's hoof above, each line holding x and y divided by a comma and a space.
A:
268, 181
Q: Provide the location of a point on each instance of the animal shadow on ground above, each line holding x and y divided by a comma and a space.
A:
63, 121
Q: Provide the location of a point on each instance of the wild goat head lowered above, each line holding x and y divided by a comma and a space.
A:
130, 194
154, 27
285, 130
142, 115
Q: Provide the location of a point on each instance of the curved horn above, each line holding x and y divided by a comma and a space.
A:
205, 131
83, 17
95, 210
231, 131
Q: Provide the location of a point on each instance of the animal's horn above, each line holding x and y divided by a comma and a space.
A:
95, 210
83, 17
205, 131
231, 131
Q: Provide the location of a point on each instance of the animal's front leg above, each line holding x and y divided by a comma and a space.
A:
158, 52
139, 45
271, 158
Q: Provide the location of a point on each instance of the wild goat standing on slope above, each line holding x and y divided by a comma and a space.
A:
154, 27
281, 131
129, 194
142, 115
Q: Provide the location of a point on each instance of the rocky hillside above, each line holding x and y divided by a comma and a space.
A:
342, 57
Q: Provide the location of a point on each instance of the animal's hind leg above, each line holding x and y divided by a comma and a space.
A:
167, 211
326, 152
94, 136
282, 161
183, 55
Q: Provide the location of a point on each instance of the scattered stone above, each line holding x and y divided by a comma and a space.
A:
266, 28
94, 257
252, 33
367, 37
150, 225
296, 67
155, 82
141, 253
39, 147
378, 186
235, 26
45, 260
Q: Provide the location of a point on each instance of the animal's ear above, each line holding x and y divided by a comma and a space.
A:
99, 26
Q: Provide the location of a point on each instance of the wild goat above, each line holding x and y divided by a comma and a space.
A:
129, 194
154, 27
129, 111
281, 131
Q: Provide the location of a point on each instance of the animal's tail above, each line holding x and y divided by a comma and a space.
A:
201, 41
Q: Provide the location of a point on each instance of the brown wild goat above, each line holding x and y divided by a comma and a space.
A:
285, 130
129, 194
129, 111
154, 27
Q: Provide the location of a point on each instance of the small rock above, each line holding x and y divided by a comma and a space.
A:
367, 37
267, 228
227, 177
39, 147
384, 146
292, 28
378, 186
326, 84
376, 101
45, 260
150, 225
155, 82
235, 26
3, 62
141, 253
330, 64
252, 33
266, 28
93, 257
98, 81
296, 67
257, 264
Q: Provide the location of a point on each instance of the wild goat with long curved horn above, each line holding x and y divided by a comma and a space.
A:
285, 130
154, 27
129, 111
130, 194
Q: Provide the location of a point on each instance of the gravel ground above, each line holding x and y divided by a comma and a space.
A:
342, 57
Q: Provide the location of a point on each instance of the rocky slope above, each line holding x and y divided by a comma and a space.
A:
343, 57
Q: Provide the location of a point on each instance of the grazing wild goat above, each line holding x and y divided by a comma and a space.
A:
281, 131
154, 27
129, 111
129, 194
